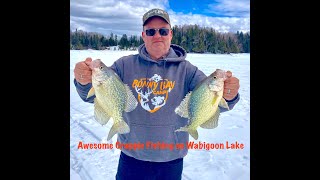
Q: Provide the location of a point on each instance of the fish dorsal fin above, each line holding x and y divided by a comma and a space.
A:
223, 103
91, 92
100, 114
182, 109
131, 100
213, 121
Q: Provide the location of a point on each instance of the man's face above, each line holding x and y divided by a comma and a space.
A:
157, 45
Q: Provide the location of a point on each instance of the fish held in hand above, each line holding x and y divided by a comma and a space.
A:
201, 106
113, 97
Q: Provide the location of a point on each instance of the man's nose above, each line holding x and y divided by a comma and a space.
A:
157, 34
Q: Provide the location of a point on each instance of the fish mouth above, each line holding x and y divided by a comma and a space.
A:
220, 74
95, 64
91, 66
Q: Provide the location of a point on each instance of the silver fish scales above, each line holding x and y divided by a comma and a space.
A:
113, 97
201, 106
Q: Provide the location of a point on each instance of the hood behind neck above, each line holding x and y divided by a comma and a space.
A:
176, 53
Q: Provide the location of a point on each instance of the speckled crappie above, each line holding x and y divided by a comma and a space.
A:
201, 106
113, 97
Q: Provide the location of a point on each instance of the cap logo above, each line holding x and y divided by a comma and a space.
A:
156, 12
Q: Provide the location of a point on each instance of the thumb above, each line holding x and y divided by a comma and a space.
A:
88, 61
229, 74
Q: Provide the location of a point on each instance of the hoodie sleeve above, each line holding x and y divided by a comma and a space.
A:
231, 103
83, 90
117, 67
196, 76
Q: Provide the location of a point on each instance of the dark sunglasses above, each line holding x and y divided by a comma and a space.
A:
162, 31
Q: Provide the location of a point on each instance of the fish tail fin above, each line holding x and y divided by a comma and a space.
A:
192, 132
120, 127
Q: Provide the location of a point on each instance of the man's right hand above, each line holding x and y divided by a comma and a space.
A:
82, 71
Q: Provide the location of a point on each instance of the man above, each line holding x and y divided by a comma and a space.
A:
154, 120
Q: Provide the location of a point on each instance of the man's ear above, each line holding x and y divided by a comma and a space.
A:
143, 34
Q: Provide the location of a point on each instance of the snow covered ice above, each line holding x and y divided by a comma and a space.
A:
222, 164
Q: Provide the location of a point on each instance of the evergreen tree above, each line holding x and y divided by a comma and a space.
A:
192, 38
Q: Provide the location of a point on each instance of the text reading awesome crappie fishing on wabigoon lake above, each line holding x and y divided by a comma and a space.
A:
162, 145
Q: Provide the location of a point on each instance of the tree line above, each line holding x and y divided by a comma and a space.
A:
192, 38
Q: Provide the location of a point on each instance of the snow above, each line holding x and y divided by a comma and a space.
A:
222, 164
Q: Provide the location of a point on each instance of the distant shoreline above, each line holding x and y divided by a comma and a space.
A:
137, 51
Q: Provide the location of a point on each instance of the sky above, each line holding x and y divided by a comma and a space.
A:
233, 127
125, 16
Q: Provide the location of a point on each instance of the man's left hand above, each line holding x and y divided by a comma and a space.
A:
231, 86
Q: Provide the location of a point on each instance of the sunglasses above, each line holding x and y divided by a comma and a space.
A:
162, 32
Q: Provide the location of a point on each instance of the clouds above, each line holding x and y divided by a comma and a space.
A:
119, 17
221, 24
125, 16
231, 8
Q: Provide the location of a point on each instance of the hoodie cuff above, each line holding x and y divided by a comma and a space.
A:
235, 98
82, 87
83, 91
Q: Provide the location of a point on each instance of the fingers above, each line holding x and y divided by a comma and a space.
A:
83, 78
82, 72
88, 61
229, 74
232, 81
82, 65
231, 87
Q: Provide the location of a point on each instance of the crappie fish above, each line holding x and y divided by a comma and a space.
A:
113, 97
201, 106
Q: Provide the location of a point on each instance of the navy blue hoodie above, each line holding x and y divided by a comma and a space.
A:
159, 86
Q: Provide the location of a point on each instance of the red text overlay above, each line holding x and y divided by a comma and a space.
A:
162, 145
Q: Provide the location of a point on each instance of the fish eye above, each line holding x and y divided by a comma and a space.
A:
214, 77
101, 67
